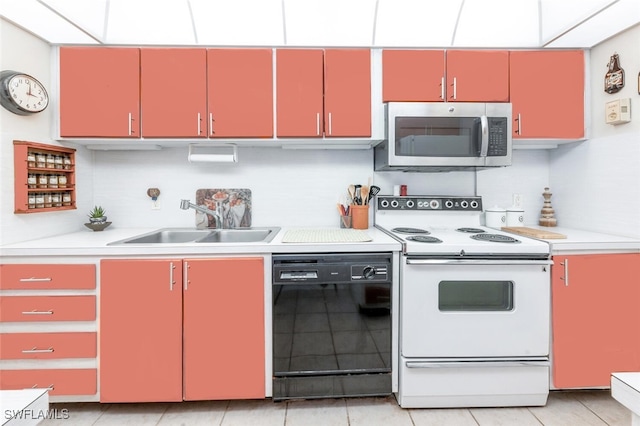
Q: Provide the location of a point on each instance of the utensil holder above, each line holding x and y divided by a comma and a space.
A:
345, 221
359, 216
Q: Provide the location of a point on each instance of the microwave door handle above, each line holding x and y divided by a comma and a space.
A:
484, 130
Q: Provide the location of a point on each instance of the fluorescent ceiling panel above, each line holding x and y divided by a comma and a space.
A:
560, 16
620, 16
498, 23
238, 22
44, 23
329, 22
141, 22
88, 15
412, 23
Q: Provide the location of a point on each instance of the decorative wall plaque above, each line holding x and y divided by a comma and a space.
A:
614, 78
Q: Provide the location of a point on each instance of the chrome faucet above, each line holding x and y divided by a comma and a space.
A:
186, 204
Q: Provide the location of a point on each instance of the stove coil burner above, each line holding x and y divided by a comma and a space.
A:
424, 239
410, 231
495, 238
471, 230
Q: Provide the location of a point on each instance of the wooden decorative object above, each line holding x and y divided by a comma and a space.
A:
546, 217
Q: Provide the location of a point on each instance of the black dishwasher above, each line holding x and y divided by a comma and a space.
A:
331, 325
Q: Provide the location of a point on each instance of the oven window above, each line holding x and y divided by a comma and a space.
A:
459, 296
437, 136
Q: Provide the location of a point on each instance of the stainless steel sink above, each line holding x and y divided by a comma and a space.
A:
184, 236
237, 236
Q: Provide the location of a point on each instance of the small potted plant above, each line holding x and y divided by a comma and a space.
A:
97, 215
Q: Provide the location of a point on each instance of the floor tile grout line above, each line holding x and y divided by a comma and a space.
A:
534, 414
594, 413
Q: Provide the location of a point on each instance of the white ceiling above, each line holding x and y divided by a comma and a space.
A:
372, 23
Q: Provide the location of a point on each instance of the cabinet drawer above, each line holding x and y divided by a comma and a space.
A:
60, 382
47, 345
47, 308
42, 276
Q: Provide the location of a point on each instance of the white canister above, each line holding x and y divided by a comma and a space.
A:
515, 217
495, 217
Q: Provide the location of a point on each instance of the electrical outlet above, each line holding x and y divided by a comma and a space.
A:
517, 200
155, 204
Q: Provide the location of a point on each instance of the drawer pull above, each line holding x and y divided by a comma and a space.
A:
49, 388
34, 280
49, 312
35, 350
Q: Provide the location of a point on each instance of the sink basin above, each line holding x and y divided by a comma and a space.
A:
237, 236
184, 236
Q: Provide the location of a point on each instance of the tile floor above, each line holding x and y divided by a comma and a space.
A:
564, 408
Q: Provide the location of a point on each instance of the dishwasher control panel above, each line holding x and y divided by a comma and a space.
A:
331, 268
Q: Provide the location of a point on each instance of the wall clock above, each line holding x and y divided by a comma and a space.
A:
22, 94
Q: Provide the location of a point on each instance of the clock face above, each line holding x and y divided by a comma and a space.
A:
23, 94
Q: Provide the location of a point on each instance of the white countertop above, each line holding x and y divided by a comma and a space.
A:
579, 241
89, 243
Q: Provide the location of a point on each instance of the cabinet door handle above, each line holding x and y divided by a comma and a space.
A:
199, 125
211, 120
49, 312
34, 280
455, 88
130, 124
318, 124
519, 129
185, 278
330, 124
35, 350
566, 272
442, 88
171, 281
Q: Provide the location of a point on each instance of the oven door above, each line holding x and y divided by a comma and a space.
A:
474, 308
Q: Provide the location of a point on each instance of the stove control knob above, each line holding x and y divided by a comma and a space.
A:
448, 204
368, 272
464, 204
394, 203
384, 203
410, 204
474, 204
434, 204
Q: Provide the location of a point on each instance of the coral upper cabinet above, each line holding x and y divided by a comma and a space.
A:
547, 93
323, 93
100, 92
452, 76
596, 320
182, 329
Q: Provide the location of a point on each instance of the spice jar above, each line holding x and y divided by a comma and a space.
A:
53, 181
42, 181
31, 159
59, 162
67, 162
32, 180
51, 161
66, 199
41, 161
32, 201
39, 200
56, 199
47, 199
62, 181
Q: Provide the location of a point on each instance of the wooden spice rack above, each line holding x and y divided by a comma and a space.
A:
24, 191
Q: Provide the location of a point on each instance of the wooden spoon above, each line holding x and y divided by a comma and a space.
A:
364, 193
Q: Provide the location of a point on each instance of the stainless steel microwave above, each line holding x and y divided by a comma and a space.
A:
443, 136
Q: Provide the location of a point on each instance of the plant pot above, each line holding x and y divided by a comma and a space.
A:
102, 219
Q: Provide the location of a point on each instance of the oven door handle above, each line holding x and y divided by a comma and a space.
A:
476, 262
476, 364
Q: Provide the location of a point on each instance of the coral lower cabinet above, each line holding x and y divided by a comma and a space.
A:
436, 75
595, 316
40, 321
547, 93
323, 93
181, 329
